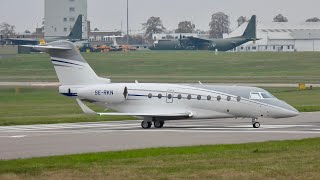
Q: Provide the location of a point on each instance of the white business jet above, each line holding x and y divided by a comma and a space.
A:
157, 103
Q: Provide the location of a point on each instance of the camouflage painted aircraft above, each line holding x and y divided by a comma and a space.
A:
194, 43
75, 35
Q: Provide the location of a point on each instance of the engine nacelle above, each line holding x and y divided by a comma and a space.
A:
111, 93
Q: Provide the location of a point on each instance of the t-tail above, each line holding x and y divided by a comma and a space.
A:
251, 31
71, 68
76, 32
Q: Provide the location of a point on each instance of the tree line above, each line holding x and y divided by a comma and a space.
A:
219, 24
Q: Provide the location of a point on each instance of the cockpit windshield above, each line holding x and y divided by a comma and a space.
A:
261, 95
266, 95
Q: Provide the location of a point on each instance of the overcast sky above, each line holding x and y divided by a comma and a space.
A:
108, 14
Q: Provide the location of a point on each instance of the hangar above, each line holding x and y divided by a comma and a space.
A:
282, 37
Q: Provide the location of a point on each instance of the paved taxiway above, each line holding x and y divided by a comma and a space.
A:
57, 84
60, 139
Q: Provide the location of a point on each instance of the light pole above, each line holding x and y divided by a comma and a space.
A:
127, 22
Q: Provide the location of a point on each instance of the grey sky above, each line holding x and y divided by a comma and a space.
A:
108, 14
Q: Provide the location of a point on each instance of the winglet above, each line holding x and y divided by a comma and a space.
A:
85, 108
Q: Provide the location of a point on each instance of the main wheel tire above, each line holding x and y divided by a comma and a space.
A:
158, 124
256, 125
146, 124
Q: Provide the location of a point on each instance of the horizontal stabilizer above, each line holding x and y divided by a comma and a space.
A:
47, 47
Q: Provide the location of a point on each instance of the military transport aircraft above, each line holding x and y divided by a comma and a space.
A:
75, 35
157, 103
189, 43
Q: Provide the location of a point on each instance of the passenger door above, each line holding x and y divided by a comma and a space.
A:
170, 94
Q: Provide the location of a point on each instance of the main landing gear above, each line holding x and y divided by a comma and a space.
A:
147, 124
255, 123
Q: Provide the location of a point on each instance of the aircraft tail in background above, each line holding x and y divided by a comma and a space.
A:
251, 31
76, 33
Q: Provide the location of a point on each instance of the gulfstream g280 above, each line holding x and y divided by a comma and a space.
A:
157, 103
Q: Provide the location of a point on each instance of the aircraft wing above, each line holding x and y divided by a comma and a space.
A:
23, 40
87, 110
199, 40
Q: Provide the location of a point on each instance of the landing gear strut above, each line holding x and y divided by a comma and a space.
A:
146, 124
158, 124
255, 123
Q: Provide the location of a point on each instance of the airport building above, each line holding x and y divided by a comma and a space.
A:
61, 15
285, 37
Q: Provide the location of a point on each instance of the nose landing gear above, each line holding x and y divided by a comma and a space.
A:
255, 123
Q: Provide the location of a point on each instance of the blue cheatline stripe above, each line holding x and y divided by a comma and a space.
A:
53, 60
137, 95
70, 94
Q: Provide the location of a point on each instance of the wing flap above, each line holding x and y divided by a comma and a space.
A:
89, 111
148, 114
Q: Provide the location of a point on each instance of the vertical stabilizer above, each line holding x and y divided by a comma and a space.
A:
251, 30
76, 33
70, 66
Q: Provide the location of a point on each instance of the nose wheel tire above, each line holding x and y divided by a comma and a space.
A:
256, 125
158, 124
146, 124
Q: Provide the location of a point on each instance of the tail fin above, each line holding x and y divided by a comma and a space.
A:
70, 66
250, 32
76, 32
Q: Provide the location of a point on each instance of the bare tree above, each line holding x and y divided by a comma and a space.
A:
152, 26
219, 24
241, 20
314, 19
280, 18
6, 29
185, 27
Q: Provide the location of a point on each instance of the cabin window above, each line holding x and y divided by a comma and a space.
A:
189, 97
209, 98
228, 98
150, 95
179, 96
238, 98
159, 96
199, 97
169, 96
219, 98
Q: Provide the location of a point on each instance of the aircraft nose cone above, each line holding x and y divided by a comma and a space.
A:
290, 111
